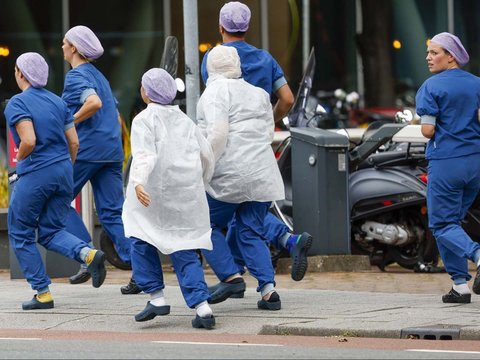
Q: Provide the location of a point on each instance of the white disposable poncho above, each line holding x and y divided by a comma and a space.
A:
237, 120
171, 159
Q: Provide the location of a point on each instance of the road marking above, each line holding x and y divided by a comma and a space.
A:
27, 339
211, 343
445, 351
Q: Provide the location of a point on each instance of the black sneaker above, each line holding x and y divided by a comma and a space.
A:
454, 297
273, 303
476, 282
131, 288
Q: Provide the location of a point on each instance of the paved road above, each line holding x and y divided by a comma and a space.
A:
368, 304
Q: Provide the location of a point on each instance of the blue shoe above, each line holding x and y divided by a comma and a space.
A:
205, 323
151, 311
34, 304
224, 290
97, 268
213, 288
299, 256
80, 277
273, 303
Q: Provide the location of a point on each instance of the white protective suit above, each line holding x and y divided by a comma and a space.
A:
170, 158
237, 119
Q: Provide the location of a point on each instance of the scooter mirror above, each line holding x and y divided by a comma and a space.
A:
340, 94
352, 98
180, 85
404, 116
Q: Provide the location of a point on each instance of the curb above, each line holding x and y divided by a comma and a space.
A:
434, 332
328, 332
328, 263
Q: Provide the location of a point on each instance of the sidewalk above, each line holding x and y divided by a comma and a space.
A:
394, 304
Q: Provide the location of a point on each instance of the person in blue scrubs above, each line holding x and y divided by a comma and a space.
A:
449, 106
237, 120
260, 69
100, 157
42, 129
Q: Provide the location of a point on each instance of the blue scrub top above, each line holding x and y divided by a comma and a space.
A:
100, 136
259, 68
50, 117
453, 98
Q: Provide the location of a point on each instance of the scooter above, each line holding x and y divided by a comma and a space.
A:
387, 197
387, 193
388, 213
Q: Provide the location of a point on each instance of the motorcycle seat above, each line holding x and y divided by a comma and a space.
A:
391, 158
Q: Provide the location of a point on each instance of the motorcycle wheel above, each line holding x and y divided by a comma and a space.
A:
418, 252
107, 246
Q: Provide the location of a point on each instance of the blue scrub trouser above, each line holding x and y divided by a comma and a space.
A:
274, 230
148, 274
452, 187
107, 185
249, 236
40, 201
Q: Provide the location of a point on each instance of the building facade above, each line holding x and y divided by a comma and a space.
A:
133, 33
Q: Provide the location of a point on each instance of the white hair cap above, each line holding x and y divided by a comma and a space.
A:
224, 60
34, 67
86, 42
159, 86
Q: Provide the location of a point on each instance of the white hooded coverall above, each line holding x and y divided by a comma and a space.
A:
169, 153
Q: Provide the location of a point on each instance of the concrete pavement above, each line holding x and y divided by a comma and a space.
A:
394, 304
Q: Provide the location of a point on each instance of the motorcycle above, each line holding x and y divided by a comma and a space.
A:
387, 191
388, 211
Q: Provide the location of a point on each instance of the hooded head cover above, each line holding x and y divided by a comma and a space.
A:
85, 41
224, 60
235, 17
34, 67
159, 86
453, 45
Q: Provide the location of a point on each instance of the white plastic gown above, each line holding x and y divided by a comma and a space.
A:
170, 157
237, 120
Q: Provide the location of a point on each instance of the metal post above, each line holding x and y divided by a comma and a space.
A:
450, 14
305, 31
65, 27
192, 80
264, 24
167, 22
359, 29
87, 208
